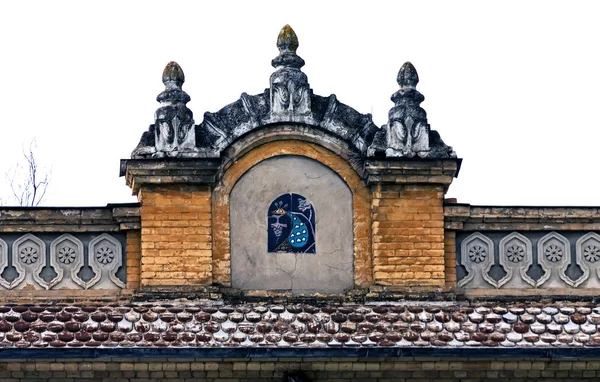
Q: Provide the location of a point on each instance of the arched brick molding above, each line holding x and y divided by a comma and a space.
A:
361, 208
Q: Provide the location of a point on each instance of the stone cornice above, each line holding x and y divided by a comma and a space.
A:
499, 218
70, 219
140, 172
399, 170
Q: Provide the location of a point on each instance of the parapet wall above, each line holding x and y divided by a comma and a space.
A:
69, 253
524, 250
88, 253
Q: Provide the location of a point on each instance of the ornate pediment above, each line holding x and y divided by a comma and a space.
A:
289, 99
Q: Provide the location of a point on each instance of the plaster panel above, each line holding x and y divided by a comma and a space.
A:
478, 258
3, 264
330, 269
588, 256
516, 256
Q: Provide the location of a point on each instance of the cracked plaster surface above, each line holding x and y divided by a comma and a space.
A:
330, 269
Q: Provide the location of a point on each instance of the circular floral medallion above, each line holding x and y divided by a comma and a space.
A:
477, 253
515, 253
105, 255
28, 255
66, 255
554, 253
591, 253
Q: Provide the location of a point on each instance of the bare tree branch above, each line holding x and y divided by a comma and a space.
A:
29, 184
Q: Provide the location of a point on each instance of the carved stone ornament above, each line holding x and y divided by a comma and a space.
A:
477, 256
290, 92
66, 257
407, 133
3, 263
587, 254
554, 256
516, 256
173, 133
29, 258
105, 258
290, 100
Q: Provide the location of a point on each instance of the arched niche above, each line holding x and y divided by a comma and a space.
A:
255, 150
290, 180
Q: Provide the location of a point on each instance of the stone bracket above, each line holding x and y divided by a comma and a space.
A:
139, 172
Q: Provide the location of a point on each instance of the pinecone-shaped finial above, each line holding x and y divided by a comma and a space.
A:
173, 76
407, 76
287, 43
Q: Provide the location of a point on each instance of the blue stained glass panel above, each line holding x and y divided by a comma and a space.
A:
291, 225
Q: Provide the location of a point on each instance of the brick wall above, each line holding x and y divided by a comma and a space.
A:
314, 369
134, 254
176, 238
408, 235
450, 259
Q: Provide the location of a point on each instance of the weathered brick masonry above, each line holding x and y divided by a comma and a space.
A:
176, 239
408, 235
423, 285
134, 256
409, 369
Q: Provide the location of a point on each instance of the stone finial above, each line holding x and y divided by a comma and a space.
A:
173, 76
287, 43
174, 122
407, 128
407, 133
407, 76
290, 91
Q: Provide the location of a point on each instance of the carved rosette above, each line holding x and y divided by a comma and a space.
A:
516, 256
477, 256
554, 255
105, 258
587, 254
3, 263
66, 257
29, 258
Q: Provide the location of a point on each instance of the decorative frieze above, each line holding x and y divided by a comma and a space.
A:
528, 259
516, 257
588, 258
478, 258
29, 258
49, 261
66, 257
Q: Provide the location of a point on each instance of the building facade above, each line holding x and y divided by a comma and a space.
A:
288, 236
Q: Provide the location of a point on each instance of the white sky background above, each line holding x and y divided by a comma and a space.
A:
513, 86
